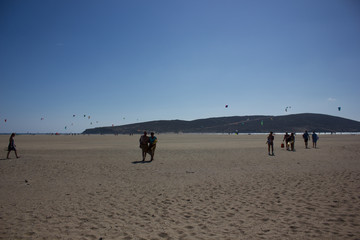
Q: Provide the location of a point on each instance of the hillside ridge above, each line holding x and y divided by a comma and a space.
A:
240, 124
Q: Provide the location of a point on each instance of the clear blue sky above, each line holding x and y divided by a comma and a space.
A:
128, 61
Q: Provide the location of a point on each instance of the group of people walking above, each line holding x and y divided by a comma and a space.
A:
148, 144
289, 140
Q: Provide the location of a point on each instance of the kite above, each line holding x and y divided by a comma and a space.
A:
339, 108
73, 115
65, 127
42, 118
5, 120
226, 106
84, 115
88, 117
286, 109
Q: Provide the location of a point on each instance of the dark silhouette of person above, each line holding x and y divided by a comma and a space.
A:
144, 145
315, 137
270, 143
306, 137
12, 146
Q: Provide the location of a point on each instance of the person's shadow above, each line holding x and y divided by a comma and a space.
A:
141, 162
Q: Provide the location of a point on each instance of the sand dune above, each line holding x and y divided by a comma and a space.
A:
198, 187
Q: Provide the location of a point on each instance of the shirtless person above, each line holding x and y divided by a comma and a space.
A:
306, 138
286, 139
270, 143
144, 144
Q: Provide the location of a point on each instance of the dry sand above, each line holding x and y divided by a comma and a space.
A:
198, 187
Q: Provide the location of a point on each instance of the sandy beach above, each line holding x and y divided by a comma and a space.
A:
198, 187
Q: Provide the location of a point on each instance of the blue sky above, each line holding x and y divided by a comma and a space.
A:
122, 62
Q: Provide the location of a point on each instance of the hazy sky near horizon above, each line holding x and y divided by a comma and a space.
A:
123, 62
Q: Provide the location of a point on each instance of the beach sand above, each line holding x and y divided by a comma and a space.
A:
198, 187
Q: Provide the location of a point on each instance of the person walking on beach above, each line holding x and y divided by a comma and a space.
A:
306, 138
292, 141
286, 139
12, 146
314, 139
270, 143
152, 145
144, 144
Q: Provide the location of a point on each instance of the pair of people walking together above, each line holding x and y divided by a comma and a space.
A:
148, 145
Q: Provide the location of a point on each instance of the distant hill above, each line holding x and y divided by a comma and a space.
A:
241, 124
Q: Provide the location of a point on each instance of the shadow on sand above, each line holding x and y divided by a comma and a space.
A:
141, 162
